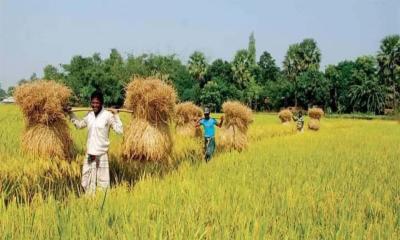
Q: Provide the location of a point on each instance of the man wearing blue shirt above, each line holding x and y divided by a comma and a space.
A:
209, 132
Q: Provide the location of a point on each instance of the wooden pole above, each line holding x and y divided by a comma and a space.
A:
89, 109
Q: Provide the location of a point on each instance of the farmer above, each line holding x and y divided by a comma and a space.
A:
299, 119
209, 132
95, 170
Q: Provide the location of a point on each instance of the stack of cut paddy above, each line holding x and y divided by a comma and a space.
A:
148, 137
233, 135
186, 115
285, 116
315, 115
46, 133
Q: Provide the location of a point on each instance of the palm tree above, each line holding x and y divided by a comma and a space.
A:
300, 58
368, 96
198, 67
389, 66
242, 68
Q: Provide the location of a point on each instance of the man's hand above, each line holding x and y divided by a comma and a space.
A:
67, 109
113, 110
221, 121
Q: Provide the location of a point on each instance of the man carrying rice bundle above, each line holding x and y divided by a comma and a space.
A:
209, 132
95, 170
299, 119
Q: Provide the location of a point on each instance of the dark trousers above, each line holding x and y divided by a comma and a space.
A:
209, 147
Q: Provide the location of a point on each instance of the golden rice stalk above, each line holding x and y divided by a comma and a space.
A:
42, 101
285, 115
150, 99
146, 142
237, 114
189, 130
47, 133
314, 124
186, 117
187, 112
48, 141
231, 138
237, 120
315, 113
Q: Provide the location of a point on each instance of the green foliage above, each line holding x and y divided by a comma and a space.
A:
389, 68
340, 77
252, 48
269, 71
301, 57
3, 93
51, 73
313, 89
261, 85
366, 93
84, 75
242, 68
280, 93
10, 91
197, 66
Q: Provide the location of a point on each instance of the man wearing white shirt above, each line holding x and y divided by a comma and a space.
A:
95, 170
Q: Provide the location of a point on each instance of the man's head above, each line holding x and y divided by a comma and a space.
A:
300, 114
96, 101
206, 113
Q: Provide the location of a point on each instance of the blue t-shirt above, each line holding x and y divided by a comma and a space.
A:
209, 126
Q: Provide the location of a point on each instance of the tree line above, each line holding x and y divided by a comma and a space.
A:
368, 84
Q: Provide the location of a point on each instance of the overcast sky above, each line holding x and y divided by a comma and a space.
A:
36, 33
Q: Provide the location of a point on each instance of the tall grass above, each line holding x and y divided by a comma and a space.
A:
339, 183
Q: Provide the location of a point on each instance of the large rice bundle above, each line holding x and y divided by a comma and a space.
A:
314, 124
150, 99
147, 137
186, 117
42, 101
237, 119
146, 142
315, 113
51, 140
285, 115
46, 133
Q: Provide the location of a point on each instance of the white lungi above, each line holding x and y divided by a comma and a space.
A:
95, 174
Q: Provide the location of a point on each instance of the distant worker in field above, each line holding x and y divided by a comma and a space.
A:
299, 119
95, 170
209, 132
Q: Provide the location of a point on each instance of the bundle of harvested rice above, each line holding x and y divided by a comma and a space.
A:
42, 101
315, 113
285, 115
51, 141
150, 99
46, 133
148, 137
237, 120
314, 124
146, 142
186, 117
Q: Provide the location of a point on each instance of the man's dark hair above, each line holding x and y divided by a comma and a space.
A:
97, 94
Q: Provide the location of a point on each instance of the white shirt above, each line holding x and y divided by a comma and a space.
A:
99, 128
